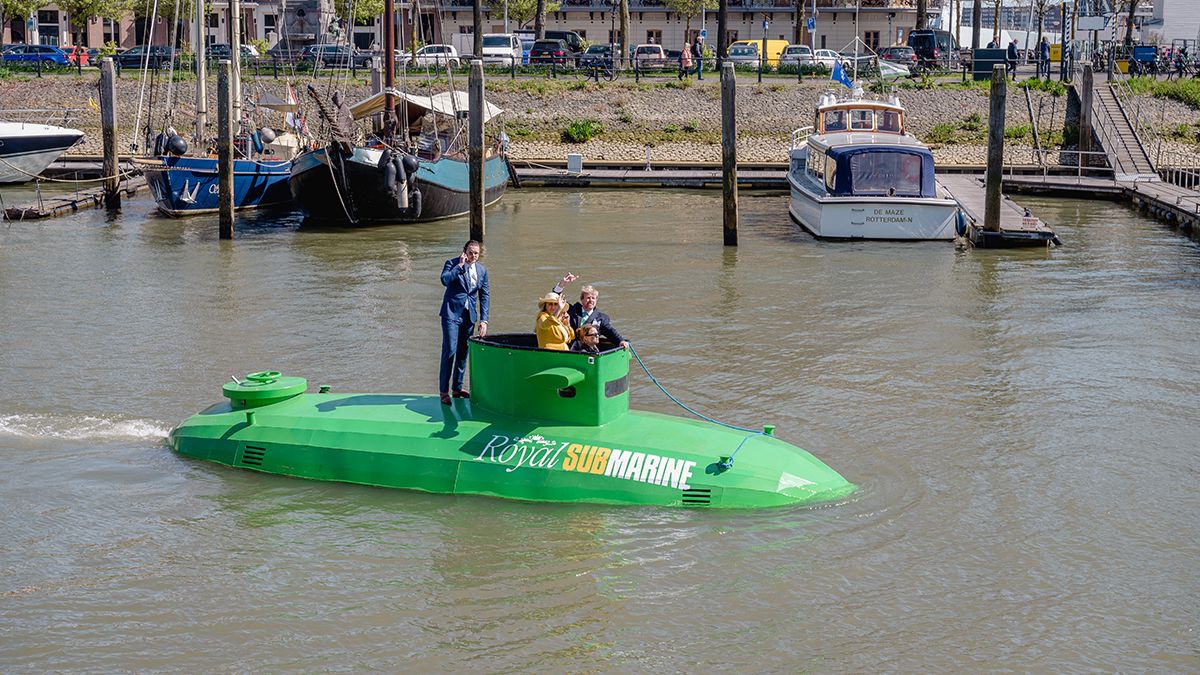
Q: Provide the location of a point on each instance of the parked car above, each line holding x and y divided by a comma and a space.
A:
774, 48
45, 54
570, 38
826, 57
743, 54
866, 61
437, 56
501, 48
934, 48
598, 55
794, 55
903, 56
154, 56
335, 56
549, 51
650, 56
220, 50
78, 56
94, 56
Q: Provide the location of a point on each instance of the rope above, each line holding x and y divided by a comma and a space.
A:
724, 464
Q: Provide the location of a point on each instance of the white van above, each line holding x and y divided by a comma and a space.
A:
501, 48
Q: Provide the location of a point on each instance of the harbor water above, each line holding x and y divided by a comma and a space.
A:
1022, 427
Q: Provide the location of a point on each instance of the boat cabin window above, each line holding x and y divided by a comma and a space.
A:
889, 120
862, 120
835, 120
886, 173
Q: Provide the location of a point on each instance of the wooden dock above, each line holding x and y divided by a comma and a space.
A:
1016, 229
61, 204
1176, 205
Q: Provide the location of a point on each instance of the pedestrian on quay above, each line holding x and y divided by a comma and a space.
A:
1010, 58
464, 303
698, 57
685, 60
1044, 58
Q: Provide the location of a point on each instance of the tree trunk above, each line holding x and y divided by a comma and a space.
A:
976, 22
1041, 12
798, 28
922, 8
996, 24
687, 27
624, 31
1129, 24
722, 24
539, 21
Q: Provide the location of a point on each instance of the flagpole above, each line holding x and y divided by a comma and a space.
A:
857, 6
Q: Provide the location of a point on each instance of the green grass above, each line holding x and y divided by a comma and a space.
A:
1184, 90
582, 131
944, 133
1052, 87
972, 122
1018, 132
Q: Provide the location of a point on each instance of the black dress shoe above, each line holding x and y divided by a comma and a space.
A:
462, 393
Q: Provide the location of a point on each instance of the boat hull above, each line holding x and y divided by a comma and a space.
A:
184, 186
27, 149
364, 199
414, 442
880, 218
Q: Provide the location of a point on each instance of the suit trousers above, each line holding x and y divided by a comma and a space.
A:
454, 352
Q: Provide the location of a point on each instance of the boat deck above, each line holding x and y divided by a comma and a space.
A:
1015, 228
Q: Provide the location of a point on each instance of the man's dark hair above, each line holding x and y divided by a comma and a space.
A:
468, 245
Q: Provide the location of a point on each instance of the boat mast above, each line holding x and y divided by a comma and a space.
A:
201, 75
389, 71
235, 59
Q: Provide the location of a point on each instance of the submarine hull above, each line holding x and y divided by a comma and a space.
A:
414, 442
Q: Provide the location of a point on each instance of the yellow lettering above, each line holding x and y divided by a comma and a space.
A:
572, 456
585, 459
601, 461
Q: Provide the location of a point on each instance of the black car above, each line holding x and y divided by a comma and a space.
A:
159, 56
549, 51
934, 48
336, 56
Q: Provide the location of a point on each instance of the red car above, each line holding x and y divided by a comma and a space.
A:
78, 56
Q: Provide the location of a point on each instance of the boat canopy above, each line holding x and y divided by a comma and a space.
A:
273, 102
448, 103
879, 170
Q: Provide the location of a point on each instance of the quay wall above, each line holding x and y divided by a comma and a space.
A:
680, 122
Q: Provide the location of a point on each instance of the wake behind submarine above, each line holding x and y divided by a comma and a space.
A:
541, 425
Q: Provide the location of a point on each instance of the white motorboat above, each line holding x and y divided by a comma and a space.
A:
27, 148
857, 174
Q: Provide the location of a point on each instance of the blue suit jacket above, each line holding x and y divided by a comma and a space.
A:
456, 298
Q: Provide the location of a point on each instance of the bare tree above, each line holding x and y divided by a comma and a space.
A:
922, 20
1132, 5
539, 21
624, 30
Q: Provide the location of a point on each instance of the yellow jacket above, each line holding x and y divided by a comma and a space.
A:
552, 333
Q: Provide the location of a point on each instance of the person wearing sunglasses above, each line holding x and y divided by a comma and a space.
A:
587, 340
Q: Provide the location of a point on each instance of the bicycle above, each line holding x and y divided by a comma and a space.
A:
595, 71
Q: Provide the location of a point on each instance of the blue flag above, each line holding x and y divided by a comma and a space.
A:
840, 75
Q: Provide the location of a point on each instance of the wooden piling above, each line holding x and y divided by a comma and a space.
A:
1085, 113
995, 151
108, 123
225, 147
729, 189
475, 148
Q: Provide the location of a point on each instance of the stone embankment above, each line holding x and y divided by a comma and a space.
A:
679, 122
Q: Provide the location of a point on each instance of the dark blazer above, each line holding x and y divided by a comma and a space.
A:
596, 318
459, 297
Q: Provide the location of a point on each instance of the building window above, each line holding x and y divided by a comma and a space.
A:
214, 20
48, 28
270, 22
871, 37
822, 42
614, 37
654, 37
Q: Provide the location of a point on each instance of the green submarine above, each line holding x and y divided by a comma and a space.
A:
541, 425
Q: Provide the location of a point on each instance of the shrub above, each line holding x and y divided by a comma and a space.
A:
691, 126
624, 116
1018, 132
582, 131
670, 129
943, 132
972, 122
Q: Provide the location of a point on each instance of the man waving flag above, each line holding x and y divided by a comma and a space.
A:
840, 75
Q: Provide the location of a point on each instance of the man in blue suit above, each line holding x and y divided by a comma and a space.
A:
466, 282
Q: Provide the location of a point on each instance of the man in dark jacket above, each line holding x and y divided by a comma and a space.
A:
464, 303
585, 313
1044, 58
1011, 58
698, 57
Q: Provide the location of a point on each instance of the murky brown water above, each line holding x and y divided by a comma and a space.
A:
1023, 427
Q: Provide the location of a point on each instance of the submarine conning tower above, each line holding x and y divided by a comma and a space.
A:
511, 376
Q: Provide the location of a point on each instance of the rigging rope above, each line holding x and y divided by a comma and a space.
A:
145, 66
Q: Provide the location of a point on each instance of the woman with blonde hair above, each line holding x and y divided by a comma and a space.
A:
553, 328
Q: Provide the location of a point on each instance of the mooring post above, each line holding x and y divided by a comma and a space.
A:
1085, 114
108, 124
475, 148
995, 149
376, 87
729, 154
225, 147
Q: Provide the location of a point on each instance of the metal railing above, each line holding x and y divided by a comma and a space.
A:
800, 137
55, 116
1083, 161
1178, 167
